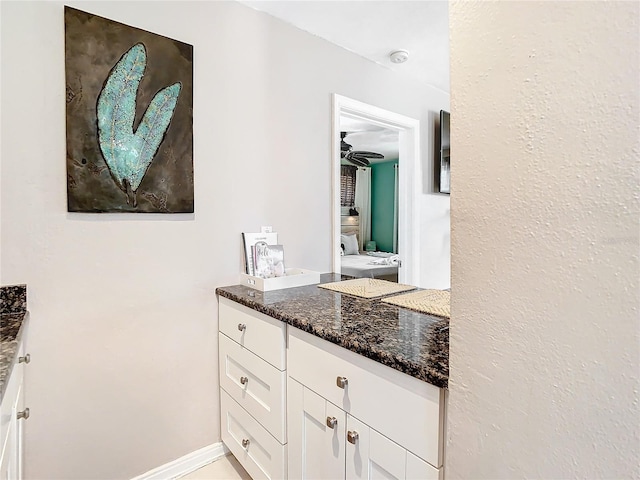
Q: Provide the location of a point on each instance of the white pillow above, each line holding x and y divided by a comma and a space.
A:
350, 243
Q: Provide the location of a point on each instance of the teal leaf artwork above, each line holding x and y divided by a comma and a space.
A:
129, 118
129, 154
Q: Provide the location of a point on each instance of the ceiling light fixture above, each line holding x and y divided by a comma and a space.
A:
399, 56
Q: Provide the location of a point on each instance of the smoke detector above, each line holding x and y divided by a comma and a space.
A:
399, 56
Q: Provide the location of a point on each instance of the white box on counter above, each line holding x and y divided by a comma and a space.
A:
294, 277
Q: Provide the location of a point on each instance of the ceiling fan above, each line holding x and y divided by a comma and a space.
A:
357, 157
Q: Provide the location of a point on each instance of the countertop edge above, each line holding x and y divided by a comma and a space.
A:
392, 361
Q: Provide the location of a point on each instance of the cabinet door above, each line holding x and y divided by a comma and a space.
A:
316, 434
6, 454
418, 469
371, 455
11, 456
19, 428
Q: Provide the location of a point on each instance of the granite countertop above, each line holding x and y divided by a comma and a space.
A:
408, 341
13, 320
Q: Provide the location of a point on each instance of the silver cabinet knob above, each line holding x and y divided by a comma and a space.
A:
25, 359
244, 380
23, 414
332, 422
352, 437
242, 327
245, 442
342, 382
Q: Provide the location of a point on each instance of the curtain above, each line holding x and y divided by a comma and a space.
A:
395, 208
363, 203
347, 185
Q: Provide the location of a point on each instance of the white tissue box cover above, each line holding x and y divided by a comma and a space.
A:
294, 277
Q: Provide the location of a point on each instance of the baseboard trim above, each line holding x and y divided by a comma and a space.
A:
187, 464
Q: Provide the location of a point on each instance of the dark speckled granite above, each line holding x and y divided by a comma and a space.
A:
13, 299
13, 316
408, 341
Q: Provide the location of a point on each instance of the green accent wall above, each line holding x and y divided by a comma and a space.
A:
382, 196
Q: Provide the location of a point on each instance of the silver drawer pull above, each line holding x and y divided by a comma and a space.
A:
342, 382
332, 422
242, 327
25, 359
23, 414
244, 380
245, 442
352, 437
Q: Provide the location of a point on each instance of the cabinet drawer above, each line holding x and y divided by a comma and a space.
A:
263, 457
10, 397
263, 392
263, 335
403, 408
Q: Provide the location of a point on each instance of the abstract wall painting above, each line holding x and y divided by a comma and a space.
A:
129, 97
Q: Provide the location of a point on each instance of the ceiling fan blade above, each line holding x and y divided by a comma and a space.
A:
356, 160
367, 154
360, 162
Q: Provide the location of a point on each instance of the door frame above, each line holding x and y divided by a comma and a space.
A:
409, 175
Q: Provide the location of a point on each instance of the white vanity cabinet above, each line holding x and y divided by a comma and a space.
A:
296, 406
252, 359
387, 424
12, 416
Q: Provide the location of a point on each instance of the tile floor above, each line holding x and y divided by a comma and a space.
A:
226, 468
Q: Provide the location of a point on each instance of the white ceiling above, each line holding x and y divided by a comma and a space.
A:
373, 29
371, 138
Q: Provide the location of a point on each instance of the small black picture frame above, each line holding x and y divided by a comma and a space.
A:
442, 160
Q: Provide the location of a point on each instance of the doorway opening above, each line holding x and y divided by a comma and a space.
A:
408, 130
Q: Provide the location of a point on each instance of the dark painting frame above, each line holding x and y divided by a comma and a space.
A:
105, 170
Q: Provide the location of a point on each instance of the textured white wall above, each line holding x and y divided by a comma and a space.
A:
124, 321
544, 351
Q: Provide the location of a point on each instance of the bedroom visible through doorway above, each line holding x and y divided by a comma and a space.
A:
373, 232
368, 200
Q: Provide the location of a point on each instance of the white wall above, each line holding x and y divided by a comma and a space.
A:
124, 321
544, 352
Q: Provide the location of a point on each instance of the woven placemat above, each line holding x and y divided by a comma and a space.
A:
367, 287
433, 302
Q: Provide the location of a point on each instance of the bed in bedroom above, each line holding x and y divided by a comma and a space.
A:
356, 263
370, 267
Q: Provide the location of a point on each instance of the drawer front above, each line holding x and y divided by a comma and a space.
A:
403, 408
263, 457
256, 385
10, 397
263, 335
